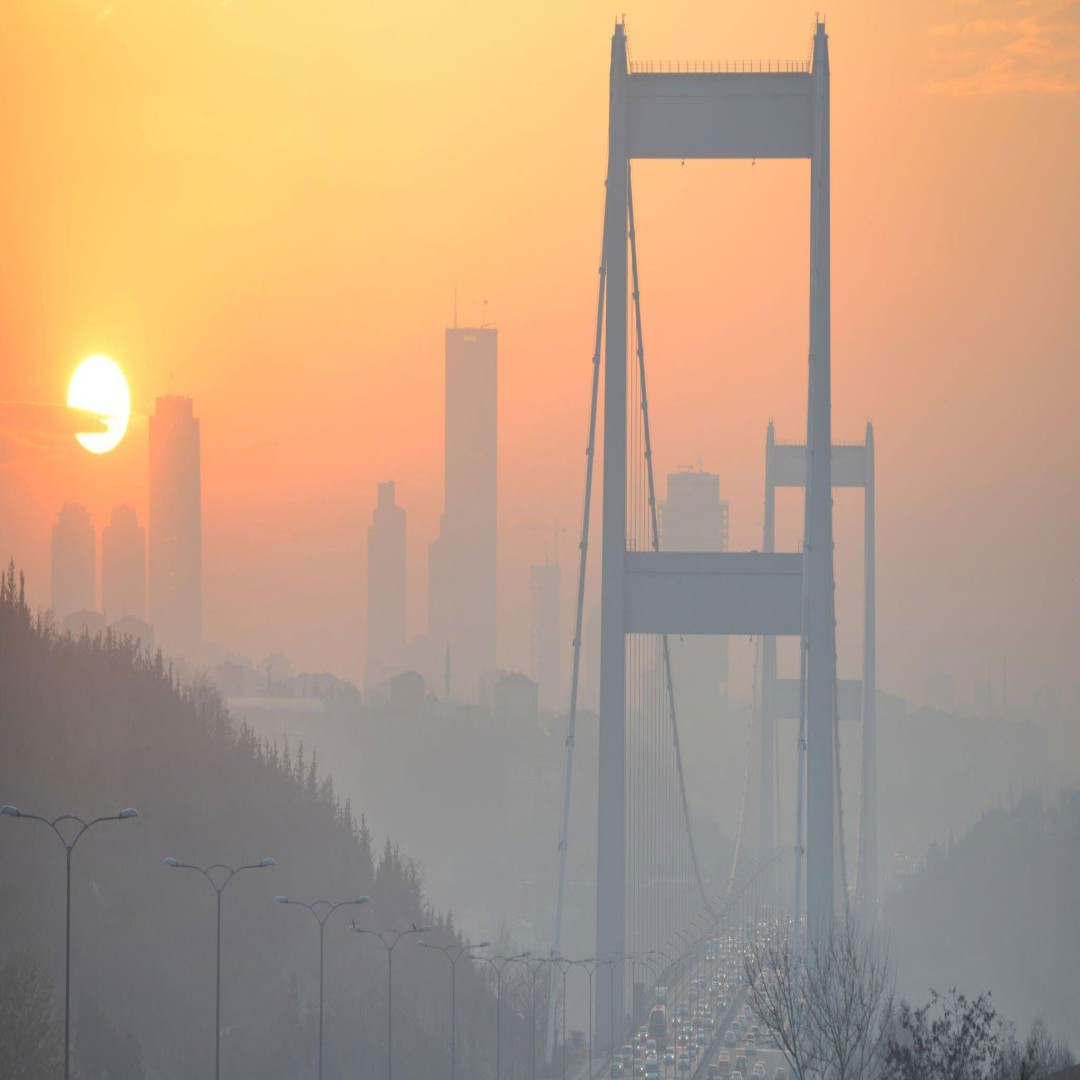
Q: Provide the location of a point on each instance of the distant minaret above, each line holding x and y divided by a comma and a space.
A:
446, 676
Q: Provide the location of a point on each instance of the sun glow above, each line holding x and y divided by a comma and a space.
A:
98, 386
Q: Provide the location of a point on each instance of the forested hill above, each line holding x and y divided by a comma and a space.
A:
999, 910
91, 726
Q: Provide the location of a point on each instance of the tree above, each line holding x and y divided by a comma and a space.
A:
829, 1009
31, 1043
949, 1038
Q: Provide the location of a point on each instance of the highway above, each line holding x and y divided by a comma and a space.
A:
728, 981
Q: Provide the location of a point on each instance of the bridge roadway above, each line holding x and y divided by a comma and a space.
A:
599, 1067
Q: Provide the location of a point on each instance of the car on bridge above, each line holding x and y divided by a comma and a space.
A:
730, 1038
684, 1063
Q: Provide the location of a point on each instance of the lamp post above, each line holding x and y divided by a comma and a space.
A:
322, 910
497, 963
619, 958
389, 939
534, 970
69, 847
453, 953
589, 964
208, 873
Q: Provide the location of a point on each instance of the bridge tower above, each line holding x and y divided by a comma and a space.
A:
852, 467
755, 111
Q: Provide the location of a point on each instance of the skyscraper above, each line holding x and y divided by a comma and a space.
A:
695, 519
386, 588
544, 581
123, 566
74, 553
175, 527
462, 596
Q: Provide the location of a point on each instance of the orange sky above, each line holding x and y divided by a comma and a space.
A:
269, 203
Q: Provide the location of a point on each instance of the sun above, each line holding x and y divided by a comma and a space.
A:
98, 386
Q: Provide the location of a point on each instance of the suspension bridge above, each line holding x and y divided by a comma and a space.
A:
652, 888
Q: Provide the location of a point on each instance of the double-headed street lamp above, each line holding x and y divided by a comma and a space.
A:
453, 953
389, 939
322, 910
497, 963
69, 847
208, 873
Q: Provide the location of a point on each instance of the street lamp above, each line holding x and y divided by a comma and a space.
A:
497, 963
590, 964
322, 910
208, 873
389, 939
534, 970
453, 953
69, 847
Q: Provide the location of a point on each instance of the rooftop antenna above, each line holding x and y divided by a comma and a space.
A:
484, 323
455, 305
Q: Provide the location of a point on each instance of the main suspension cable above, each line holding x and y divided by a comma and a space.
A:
578, 619
656, 547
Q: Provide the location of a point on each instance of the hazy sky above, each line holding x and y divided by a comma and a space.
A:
268, 204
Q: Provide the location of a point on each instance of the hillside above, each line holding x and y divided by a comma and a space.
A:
997, 910
91, 726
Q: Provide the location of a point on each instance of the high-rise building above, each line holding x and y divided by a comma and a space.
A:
695, 519
123, 566
386, 588
544, 582
462, 595
74, 554
175, 527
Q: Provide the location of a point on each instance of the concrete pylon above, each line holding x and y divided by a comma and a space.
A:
611, 821
820, 621
766, 658
866, 884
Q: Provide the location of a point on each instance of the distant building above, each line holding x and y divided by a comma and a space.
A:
74, 557
694, 518
123, 566
939, 691
175, 527
238, 679
544, 584
276, 673
515, 699
386, 588
462, 570
135, 629
407, 693
91, 623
